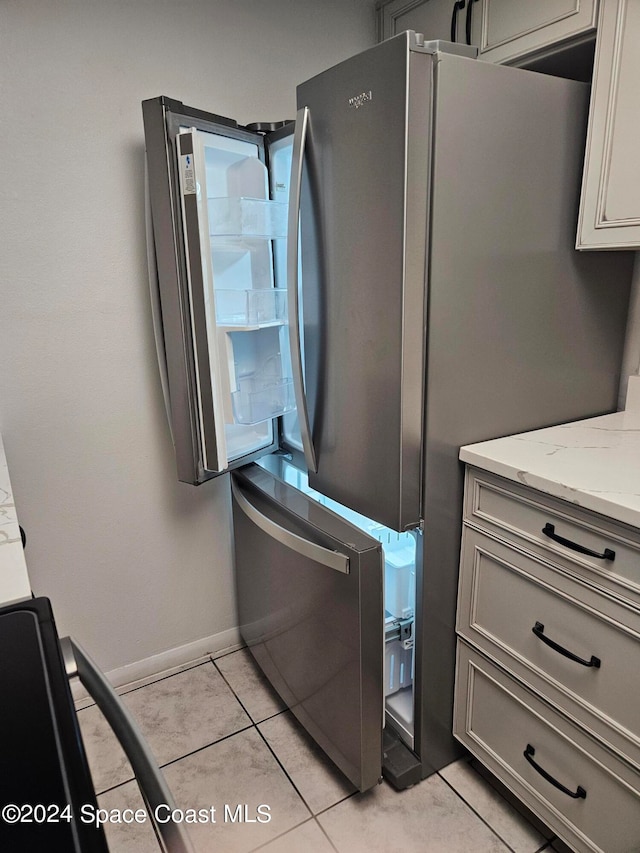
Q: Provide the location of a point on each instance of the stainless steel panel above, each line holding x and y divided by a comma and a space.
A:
364, 217
524, 332
316, 633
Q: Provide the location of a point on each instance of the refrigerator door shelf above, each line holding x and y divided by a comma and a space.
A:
398, 667
243, 439
399, 713
399, 572
241, 378
247, 217
250, 309
255, 386
259, 400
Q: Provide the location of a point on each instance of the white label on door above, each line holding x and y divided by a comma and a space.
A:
188, 175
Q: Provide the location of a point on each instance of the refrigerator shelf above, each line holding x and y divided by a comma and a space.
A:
247, 217
398, 667
259, 400
251, 308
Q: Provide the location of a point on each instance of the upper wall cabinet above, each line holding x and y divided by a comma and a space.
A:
513, 31
435, 19
610, 202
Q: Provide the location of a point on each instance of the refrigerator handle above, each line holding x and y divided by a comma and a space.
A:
324, 556
293, 248
154, 290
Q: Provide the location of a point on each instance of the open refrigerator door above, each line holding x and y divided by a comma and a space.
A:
238, 314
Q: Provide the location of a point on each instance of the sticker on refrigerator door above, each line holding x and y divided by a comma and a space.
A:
188, 175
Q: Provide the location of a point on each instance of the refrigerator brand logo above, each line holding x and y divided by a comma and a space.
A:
360, 100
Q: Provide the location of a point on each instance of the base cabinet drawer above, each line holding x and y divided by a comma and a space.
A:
603, 552
580, 789
578, 648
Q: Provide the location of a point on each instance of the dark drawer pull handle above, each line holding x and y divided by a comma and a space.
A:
457, 7
578, 794
550, 531
468, 22
538, 630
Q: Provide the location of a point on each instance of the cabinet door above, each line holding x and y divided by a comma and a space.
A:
432, 18
515, 29
610, 203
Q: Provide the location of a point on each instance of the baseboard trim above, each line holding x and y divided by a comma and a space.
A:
165, 663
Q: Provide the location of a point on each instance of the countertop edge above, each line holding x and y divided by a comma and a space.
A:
14, 578
591, 463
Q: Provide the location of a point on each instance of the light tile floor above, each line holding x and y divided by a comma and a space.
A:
223, 738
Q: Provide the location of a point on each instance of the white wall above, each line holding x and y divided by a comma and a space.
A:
134, 562
631, 361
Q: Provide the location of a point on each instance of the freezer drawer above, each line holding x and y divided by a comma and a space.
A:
310, 598
527, 745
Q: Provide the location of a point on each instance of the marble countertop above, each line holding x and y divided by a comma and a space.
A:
14, 580
594, 463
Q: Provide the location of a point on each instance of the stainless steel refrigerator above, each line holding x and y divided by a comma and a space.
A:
338, 310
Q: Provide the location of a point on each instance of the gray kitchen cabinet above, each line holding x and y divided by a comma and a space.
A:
610, 202
595, 807
512, 32
548, 631
432, 18
508, 32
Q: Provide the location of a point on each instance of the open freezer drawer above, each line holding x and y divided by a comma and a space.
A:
310, 599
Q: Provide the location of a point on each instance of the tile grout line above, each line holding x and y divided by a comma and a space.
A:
187, 668
312, 816
199, 749
312, 819
279, 763
179, 758
339, 802
237, 698
282, 767
242, 705
323, 830
282, 835
253, 724
479, 816
225, 654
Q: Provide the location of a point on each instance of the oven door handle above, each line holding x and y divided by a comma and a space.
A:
153, 787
